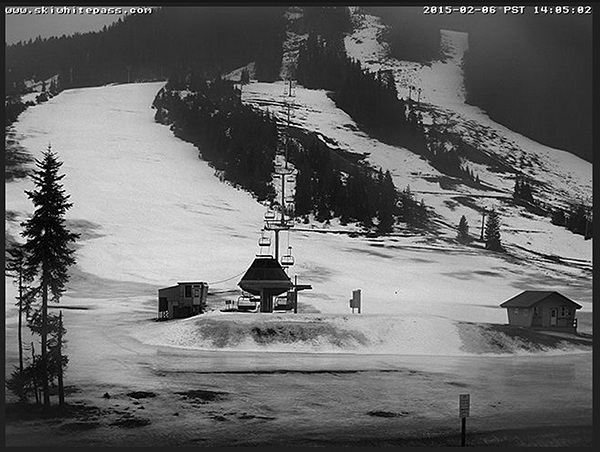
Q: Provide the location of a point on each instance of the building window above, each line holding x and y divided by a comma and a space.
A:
536, 311
564, 311
525, 311
188, 292
516, 311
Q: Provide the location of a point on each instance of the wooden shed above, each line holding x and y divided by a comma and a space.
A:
542, 310
186, 299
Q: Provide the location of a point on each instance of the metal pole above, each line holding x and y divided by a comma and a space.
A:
295, 294
482, 224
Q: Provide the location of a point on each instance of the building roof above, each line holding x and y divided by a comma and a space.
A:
265, 273
528, 298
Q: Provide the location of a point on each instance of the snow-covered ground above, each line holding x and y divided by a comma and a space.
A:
152, 213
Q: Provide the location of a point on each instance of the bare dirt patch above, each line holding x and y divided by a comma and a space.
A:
131, 422
141, 394
379, 413
202, 395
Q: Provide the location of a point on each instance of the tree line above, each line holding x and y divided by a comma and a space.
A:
329, 187
239, 141
213, 39
371, 99
577, 218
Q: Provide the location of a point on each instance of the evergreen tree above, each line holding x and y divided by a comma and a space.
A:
492, 232
15, 267
558, 217
522, 190
387, 203
49, 255
463, 230
245, 76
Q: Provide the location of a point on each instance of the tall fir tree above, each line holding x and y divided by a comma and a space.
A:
492, 232
387, 203
49, 255
463, 230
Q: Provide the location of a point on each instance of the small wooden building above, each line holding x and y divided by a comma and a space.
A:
542, 310
186, 299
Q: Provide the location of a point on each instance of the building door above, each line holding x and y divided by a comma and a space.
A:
553, 317
196, 296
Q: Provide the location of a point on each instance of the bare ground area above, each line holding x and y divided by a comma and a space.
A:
181, 398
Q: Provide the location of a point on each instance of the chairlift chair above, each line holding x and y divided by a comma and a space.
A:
264, 240
287, 260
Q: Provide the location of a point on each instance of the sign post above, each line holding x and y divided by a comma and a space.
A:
463, 408
355, 300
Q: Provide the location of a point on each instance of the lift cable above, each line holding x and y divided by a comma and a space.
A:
228, 279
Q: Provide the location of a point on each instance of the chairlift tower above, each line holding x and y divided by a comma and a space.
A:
282, 218
267, 276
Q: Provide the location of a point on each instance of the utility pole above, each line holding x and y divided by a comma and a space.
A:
482, 223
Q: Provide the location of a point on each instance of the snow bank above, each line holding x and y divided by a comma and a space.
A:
359, 334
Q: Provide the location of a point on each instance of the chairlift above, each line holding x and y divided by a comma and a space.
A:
287, 260
264, 240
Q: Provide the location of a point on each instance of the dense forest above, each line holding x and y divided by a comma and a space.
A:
241, 142
211, 40
237, 140
372, 101
330, 184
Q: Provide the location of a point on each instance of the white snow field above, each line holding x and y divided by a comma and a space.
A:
155, 214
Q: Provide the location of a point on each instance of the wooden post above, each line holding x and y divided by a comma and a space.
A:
463, 408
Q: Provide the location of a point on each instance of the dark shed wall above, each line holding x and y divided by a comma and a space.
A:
520, 316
